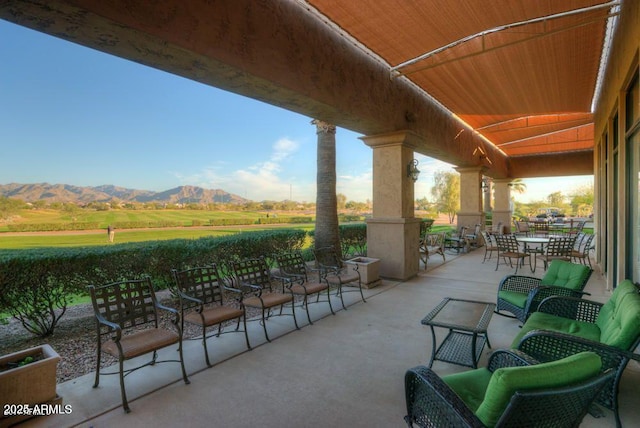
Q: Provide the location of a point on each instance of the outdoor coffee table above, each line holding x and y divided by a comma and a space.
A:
467, 321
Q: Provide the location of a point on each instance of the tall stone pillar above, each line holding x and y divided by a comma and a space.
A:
502, 210
471, 212
393, 231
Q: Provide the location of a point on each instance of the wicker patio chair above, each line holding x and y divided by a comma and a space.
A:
490, 244
202, 302
583, 250
298, 279
558, 248
508, 248
521, 295
618, 321
253, 279
432, 244
127, 325
336, 273
512, 391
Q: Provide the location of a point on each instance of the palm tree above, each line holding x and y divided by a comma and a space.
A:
518, 186
327, 232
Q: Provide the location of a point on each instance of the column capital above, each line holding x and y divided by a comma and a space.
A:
398, 138
322, 126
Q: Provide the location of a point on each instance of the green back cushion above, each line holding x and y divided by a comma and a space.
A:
622, 330
609, 309
506, 381
566, 274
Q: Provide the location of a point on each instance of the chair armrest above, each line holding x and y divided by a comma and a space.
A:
538, 294
571, 307
176, 320
519, 283
431, 402
509, 358
245, 287
186, 296
112, 326
547, 345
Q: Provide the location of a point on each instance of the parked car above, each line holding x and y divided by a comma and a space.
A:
551, 214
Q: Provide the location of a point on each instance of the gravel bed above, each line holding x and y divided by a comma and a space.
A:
74, 338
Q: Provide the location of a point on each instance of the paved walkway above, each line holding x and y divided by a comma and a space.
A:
345, 370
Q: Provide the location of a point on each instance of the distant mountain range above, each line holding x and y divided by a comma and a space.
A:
108, 193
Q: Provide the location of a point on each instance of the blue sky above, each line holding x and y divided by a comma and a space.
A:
73, 115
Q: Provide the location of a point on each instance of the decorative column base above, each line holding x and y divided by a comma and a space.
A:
470, 220
395, 241
505, 218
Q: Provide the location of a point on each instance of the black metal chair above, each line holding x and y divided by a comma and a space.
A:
490, 244
332, 269
458, 240
508, 248
296, 277
202, 302
558, 248
127, 323
252, 278
433, 402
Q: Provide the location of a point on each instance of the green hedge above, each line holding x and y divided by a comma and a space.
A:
49, 227
35, 285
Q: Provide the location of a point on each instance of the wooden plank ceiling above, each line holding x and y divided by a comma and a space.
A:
528, 88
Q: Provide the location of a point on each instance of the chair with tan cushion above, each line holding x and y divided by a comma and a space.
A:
203, 303
127, 321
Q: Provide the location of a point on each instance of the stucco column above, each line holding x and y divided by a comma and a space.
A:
471, 212
393, 231
502, 205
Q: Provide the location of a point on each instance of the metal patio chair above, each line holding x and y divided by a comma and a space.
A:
127, 325
508, 248
339, 275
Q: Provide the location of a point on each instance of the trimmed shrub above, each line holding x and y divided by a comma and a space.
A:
35, 285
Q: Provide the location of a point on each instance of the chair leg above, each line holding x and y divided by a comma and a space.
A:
306, 306
204, 344
184, 371
329, 300
125, 403
97, 380
293, 312
264, 326
246, 333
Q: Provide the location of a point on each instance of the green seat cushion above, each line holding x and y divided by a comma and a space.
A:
622, 330
566, 274
513, 297
470, 386
506, 381
543, 321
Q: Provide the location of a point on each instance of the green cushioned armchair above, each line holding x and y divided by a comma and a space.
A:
564, 326
520, 295
512, 391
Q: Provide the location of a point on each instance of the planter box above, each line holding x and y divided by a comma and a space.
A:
369, 269
31, 384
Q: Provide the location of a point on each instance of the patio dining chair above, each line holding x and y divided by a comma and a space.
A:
337, 274
127, 324
558, 248
582, 249
432, 244
512, 391
457, 240
508, 248
297, 278
203, 303
490, 244
259, 289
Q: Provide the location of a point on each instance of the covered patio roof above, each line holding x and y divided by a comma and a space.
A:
521, 74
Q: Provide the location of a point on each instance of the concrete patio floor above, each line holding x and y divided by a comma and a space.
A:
345, 370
